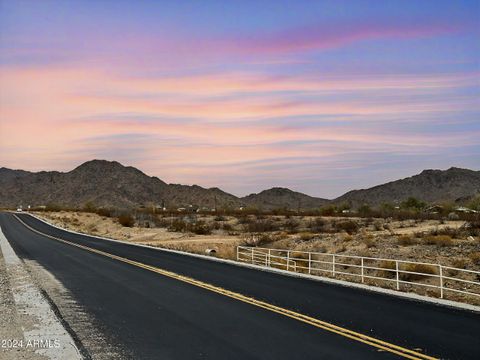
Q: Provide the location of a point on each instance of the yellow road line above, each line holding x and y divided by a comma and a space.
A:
379, 344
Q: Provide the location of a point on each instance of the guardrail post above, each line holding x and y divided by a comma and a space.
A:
252, 254
288, 258
361, 259
398, 275
269, 257
238, 255
441, 280
333, 264
309, 262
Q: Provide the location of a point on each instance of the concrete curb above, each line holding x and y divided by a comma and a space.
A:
410, 296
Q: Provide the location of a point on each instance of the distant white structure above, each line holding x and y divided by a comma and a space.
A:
466, 210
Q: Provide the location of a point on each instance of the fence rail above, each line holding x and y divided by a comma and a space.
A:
379, 272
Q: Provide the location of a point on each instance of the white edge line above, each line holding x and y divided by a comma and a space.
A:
411, 296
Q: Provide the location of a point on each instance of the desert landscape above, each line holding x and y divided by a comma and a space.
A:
239, 180
450, 242
453, 243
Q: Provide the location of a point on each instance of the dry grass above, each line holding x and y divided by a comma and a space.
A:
126, 220
306, 236
406, 240
387, 265
423, 272
475, 257
369, 241
439, 240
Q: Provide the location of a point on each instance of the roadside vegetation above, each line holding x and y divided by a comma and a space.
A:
409, 234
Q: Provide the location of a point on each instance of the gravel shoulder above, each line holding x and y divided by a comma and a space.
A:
29, 328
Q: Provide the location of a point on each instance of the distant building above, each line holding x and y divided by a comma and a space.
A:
465, 210
434, 209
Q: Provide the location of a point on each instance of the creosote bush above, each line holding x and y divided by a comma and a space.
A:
200, 228
350, 226
291, 226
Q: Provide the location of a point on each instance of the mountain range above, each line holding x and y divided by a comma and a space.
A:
110, 184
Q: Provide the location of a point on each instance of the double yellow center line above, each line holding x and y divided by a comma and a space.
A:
379, 344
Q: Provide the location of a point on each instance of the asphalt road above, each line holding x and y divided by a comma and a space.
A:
161, 317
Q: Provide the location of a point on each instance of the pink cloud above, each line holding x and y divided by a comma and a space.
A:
326, 36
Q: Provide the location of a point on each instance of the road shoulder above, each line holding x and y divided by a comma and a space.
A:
30, 329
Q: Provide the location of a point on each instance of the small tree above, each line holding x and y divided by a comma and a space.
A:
474, 204
329, 210
413, 203
364, 210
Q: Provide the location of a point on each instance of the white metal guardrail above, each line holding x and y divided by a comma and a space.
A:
383, 272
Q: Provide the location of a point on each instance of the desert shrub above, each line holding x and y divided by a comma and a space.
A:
318, 225
178, 225
423, 270
364, 210
472, 228
328, 210
91, 228
259, 226
368, 221
89, 207
104, 212
305, 236
350, 226
377, 225
266, 238
161, 222
262, 238
439, 240
449, 231
126, 220
413, 203
387, 265
406, 240
475, 257
244, 220
291, 226
459, 263
200, 228
53, 207
216, 226
369, 241
227, 227
347, 238
220, 218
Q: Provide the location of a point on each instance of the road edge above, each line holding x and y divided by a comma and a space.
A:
32, 298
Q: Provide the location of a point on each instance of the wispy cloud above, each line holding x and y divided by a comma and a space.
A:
257, 104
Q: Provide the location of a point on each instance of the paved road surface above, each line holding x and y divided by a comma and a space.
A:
158, 316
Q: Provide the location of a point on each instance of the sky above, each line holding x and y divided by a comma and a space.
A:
318, 96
